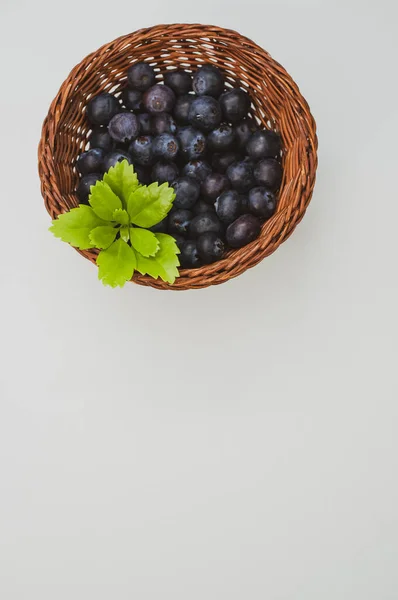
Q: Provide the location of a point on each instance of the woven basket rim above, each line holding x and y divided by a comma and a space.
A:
296, 191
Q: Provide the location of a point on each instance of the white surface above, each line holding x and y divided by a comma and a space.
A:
237, 442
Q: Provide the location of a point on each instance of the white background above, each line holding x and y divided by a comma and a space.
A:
234, 443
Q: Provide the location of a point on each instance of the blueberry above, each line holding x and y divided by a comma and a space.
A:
145, 123
179, 81
143, 174
187, 191
243, 231
141, 76
160, 227
263, 144
132, 99
192, 143
159, 99
180, 240
204, 223
163, 123
123, 127
241, 176
114, 157
102, 108
100, 138
91, 161
181, 109
268, 173
208, 81
165, 172
189, 257
262, 202
244, 203
210, 247
202, 207
197, 168
221, 139
83, 189
205, 113
141, 151
179, 221
214, 185
221, 162
235, 105
165, 146
228, 206
243, 132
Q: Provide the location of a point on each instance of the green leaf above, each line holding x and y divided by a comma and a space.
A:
103, 236
147, 206
122, 180
121, 216
164, 264
74, 226
144, 241
104, 201
125, 233
116, 264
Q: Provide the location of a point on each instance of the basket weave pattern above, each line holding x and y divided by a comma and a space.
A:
277, 104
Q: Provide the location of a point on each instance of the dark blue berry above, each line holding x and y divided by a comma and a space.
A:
164, 172
160, 227
243, 132
100, 138
143, 174
141, 151
192, 143
179, 221
141, 76
268, 172
235, 105
189, 257
214, 185
262, 202
179, 239
197, 168
102, 108
163, 123
132, 99
165, 146
264, 144
221, 162
244, 203
123, 127
145, 123
228, 206
205, 113
208, 81
179, 81
202, 207
187, 191
181, 109
159, 99
221, 139
91, 161
243, 231
114, 157
83, 189
210, 247
241, 176
204, 223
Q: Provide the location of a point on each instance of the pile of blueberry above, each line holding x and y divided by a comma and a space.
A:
197, 135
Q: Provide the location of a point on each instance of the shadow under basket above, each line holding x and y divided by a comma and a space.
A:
276, 103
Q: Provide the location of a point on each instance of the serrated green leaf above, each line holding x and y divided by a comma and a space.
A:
122, 180
144, 241
125, 233
147, 206
103, 236
164, 264
104, 201
121, 216
74, 226
116, 264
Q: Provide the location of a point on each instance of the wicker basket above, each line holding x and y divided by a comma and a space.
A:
277, 103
